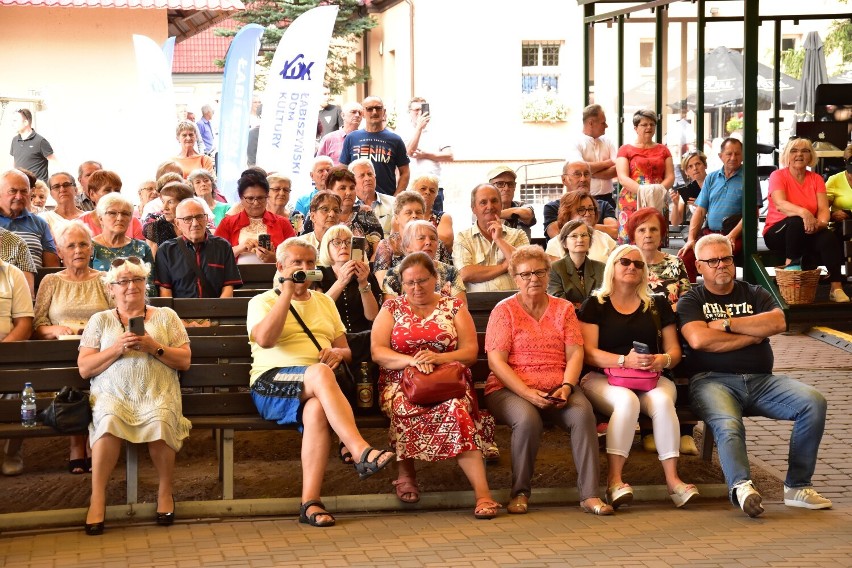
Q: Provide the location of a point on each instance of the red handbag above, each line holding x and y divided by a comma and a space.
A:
443, 383
634, 379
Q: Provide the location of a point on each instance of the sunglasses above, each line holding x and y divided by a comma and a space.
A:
121, 260
639, 264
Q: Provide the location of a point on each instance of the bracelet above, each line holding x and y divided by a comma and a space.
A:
668, 361
367, 287
570, 386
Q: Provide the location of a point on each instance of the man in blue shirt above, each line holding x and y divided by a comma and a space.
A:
15, 217
205, 130
177, 259
720, 198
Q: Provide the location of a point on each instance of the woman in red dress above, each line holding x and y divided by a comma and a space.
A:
424, 329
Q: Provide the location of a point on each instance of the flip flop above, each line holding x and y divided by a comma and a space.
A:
79, 466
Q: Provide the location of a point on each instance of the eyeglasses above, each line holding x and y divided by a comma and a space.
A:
340, 243
374, 108
327, 210
580, 236
714, 262
122, 259
579, 175
639, 264
66, 185
114, 214
276, 188
539, 274
414, 283
201, 218
128, 282
259, 199
505, 184
585, 210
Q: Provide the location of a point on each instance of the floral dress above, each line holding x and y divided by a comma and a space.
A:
668, 278
441, 431
645, 166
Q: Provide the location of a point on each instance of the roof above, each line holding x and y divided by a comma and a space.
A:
197, 54
186, 17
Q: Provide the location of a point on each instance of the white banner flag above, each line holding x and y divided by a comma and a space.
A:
288, 125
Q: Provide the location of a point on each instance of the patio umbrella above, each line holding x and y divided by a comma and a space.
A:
813, 75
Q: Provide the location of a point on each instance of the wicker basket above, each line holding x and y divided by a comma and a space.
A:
797, 286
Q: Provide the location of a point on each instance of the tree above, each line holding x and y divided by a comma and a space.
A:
276, 15
840, 38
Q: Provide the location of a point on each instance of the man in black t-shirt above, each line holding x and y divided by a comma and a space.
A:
727, 325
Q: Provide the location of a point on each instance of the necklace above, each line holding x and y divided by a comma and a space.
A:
118, 315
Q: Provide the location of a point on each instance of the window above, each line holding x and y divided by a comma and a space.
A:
540, 193
540, 66
790, 42
646, 53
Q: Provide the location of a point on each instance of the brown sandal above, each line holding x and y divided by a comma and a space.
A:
486, 508
406, 485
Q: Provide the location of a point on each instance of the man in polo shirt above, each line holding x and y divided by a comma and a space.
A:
30, 150
481, 253
16, 217
365, 189
176, 275
720, 198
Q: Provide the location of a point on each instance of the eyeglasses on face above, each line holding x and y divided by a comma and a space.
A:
116, 214
257, 199
64, 185
715, 262
579, 175
413, 283
338, 243
579, 236
122, 259
328, 210
505, 184
374, 109
125, 283
639, 264
585, 210
200, 218
539, 274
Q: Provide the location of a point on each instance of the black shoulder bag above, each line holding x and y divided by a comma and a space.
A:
345, 379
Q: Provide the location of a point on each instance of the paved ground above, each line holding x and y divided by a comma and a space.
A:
710, 533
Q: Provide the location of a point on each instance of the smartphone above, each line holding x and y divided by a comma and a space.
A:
359, 245
642, 348
264, 241
137, 325
424, 108
549, 396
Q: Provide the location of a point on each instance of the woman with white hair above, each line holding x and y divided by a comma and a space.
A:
292, 377
135, 390
427, 187
616, 320
115, 213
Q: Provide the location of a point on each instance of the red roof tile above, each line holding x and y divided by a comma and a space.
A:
159, 4
197, 53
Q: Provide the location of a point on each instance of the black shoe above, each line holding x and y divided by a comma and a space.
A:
166, 519
95, 529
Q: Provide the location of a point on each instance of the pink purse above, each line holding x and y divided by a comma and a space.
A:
634, 379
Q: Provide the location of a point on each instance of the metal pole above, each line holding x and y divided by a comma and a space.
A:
699, 80
776, 64
589, 41
751, 23
662, 72
620, 73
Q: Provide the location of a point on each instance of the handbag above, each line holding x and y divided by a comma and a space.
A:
634, 379
69, 413
343, 374
637, 379
443, 383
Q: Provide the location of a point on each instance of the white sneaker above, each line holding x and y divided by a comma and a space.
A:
805, 497
749, 499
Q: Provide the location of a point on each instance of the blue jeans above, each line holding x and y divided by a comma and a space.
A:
721, 400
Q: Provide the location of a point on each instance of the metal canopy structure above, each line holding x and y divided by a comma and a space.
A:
596, 12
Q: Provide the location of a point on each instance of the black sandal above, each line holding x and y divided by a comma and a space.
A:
367, 468
81, 464
312, 519
345, 455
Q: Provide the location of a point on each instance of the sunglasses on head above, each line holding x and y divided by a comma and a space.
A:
639, 264
121, 260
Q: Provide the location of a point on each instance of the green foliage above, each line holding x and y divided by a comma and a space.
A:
792, 61
276, 16
839, 38
734, 123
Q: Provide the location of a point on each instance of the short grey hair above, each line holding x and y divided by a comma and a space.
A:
413, 229
362, 162
281, 253
201, 172
67, 228
712, 239
112, 199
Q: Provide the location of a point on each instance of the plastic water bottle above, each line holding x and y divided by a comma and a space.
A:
28, 406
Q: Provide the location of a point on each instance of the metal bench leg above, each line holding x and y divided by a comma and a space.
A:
707, 443
226, 462
132, 473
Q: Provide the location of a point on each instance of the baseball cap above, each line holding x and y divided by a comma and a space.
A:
501, 170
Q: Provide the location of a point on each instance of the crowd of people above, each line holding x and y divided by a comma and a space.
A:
369, 269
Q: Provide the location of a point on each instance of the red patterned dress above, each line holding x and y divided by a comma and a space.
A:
428, 433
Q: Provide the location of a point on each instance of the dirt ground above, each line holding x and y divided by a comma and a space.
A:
267, 465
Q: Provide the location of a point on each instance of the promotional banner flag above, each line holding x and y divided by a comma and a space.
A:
169, 51
235, 107
156, 96
288, 125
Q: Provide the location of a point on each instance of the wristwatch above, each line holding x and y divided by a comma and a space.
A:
621, 360
160, 351
367, 287
726, 323
570, 386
